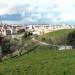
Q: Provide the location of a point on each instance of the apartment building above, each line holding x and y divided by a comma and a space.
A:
9, 29
43, 29
39, 29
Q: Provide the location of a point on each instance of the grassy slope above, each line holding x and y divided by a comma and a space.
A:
42, 61
56, 36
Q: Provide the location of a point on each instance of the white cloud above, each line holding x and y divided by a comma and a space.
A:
4, 11
48, 16
31, 20
36, 16
67, 16
64, 7
67, 10
30, 8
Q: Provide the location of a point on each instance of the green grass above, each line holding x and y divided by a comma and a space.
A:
41, 61
56, 36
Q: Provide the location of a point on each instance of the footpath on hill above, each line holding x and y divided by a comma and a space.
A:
60, 47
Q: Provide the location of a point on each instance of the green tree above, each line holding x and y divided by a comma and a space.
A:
23, 39
9, 46
71, 39
6, 47
50, 41
21, 31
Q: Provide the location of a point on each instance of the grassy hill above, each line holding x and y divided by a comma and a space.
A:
56, 36
41, 61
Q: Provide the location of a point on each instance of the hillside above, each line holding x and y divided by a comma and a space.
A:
41, 61
56, 36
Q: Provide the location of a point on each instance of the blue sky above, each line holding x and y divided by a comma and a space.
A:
37, 11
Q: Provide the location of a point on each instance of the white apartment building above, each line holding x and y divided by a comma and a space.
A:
42, 29
35, 29
10, 29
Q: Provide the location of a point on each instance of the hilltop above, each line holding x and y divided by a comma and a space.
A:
56, 36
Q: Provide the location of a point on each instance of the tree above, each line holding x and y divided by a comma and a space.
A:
26, 35
43, 39
50, 41
71, 39
21, 31
1, 42
6, 47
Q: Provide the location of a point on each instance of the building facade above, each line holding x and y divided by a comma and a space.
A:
43, 29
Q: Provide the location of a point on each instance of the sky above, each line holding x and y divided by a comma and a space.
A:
37, 11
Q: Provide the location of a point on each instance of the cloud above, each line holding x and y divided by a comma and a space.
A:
4, 10
35, 10
36, 16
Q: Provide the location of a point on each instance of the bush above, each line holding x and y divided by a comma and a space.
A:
6, 47
43, 39
21, 31
10, 46
71, 39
